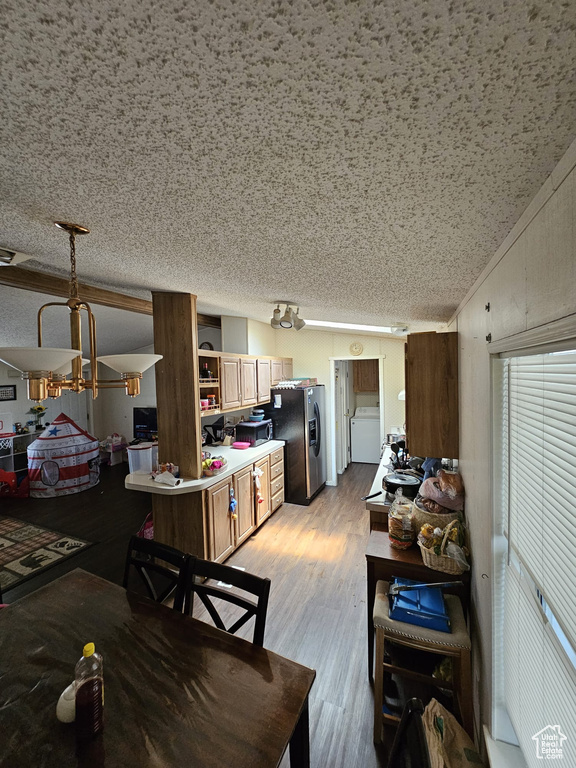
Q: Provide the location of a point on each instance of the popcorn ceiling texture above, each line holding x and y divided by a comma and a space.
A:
363, 159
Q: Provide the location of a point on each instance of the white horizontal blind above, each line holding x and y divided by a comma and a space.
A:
540, 683
538, 398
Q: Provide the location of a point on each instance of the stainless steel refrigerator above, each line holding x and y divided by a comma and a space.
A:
298, 418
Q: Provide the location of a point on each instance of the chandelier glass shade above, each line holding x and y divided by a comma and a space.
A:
46, 368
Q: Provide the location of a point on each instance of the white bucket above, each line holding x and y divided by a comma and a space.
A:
142, 458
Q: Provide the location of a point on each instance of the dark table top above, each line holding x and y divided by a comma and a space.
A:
177, 691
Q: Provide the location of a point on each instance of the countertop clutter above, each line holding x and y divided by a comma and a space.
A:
236, 460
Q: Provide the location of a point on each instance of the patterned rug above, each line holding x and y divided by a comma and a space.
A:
27, 549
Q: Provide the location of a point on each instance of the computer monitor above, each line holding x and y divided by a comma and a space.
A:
145, 424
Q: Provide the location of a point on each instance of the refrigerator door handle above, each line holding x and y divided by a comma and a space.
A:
318, 444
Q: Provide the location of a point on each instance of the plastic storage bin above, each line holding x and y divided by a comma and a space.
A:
143, 458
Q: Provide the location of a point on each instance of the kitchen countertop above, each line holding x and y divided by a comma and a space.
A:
237, 459
384, 468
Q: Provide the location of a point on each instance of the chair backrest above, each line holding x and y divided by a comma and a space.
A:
410, 748
162, 570
199, 569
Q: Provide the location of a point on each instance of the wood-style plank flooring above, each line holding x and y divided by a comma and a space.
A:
314, 557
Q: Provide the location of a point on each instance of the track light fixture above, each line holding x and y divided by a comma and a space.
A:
289, 319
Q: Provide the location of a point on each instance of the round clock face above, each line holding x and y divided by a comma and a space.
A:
356, 348
206, 345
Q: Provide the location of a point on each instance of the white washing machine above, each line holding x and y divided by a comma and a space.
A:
365, 435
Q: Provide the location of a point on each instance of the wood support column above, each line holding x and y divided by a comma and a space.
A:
177, 375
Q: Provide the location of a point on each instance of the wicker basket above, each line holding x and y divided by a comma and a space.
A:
442, 562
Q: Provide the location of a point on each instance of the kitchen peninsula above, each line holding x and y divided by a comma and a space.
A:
207, 524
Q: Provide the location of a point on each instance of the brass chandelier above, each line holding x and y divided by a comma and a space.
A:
46, 369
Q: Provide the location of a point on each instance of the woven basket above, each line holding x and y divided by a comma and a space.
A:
442, 562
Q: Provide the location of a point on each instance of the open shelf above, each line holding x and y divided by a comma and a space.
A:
209, 411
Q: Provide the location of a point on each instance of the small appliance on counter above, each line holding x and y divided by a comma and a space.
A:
254, 432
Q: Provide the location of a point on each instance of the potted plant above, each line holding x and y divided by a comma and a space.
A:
38, 412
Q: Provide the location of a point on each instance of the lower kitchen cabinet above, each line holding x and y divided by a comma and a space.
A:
243, 483
202, 523
220, 523
263, 508
276, 478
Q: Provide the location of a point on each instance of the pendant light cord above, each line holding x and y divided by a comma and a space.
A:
73, 276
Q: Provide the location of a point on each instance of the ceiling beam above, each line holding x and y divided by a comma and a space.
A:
42, 282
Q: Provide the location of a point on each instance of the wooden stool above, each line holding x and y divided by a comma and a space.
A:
455, 644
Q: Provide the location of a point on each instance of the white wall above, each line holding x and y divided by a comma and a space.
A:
261, 338
530, 282
311, 352
113, 409
19, 408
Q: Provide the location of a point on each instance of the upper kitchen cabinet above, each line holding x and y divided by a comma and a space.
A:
276, 371
248, 381
230, 391
432, 395
281, 370
264, 380
365, 375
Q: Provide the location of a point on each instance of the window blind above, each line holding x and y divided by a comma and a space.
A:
537, 402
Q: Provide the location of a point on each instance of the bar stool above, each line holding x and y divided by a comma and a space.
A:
455, 644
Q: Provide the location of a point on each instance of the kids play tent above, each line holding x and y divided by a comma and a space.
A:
63, 460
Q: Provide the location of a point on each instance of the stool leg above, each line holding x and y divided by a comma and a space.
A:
378, 685
463, 681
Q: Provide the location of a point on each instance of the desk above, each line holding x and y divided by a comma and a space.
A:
177, 691
383, 562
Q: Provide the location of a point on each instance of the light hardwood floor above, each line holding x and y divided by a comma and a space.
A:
314, 557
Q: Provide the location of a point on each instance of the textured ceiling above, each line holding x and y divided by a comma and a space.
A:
362, 159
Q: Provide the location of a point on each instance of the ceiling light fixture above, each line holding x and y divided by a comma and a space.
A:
46, 368
275, 321
289, 319
399, 330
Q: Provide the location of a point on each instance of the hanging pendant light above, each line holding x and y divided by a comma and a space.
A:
46, 368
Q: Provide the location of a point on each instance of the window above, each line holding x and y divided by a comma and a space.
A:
535, 598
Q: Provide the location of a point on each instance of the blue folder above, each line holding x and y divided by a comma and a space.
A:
423, 607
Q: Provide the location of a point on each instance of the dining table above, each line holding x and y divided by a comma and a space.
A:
177, 691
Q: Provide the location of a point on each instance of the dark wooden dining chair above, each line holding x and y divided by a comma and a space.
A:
200, 575
161, 569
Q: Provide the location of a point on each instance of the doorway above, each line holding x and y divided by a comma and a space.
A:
346, 400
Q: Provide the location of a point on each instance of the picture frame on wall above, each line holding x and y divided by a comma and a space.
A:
7, 392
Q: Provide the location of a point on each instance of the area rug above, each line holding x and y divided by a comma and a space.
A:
27, 549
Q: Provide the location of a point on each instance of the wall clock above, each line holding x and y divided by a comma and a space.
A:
206, 345
356, 348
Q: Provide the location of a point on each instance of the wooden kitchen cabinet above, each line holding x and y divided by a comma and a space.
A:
281, 370
276, 371
249, 387
276, 479
230, 390
365, 373
431, 371
264, 379
243, 483
263, 508
221, 527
